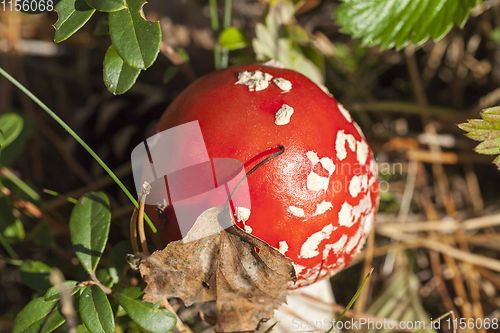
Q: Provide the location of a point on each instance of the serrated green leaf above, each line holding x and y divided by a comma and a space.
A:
73, 14
107, 5
488, 147
492, 115
136, 40
233, 38
31, 318
394, 23
11, 125
95, 310
89, 228
118, 76
53, 294
35, 274
297, 34
486, 130
149, 319
479, 124
117, 262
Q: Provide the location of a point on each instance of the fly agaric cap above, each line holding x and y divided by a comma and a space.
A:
316, 202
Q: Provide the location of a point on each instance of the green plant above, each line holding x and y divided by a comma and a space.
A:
486, 130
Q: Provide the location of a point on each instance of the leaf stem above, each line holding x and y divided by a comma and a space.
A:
228, 5
7, 247
227, 13
352, 300
19, 183
81, 142
59, 195
213, 15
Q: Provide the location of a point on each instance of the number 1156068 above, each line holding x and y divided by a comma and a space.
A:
27, 5
471, 323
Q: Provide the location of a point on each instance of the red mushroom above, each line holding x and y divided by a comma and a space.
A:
316, 202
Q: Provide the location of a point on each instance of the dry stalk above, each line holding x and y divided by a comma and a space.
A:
68, 310
179, 324
137, 221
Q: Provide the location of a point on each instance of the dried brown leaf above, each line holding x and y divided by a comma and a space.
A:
246, 277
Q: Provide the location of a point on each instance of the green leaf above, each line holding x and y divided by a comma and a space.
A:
107, 5
82, 329
136, 40
31, 318
118, 76
170, 73
104, 277
149, 319
486, 130
95, 310
117, 262
11, 125
16, 147
53, 294
297, 34
233, 38
393, 23
10, 226
133, 292
73, 14
89, 228
35, 274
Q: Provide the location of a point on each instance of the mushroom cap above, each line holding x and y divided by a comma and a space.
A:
317, 201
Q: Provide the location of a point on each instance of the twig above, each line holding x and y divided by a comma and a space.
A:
474, 190
95, 281
419, 242
461, 299
439, 281
179, 324
427, 156
146, 189
415, 79
133, 231
403, 107
56, 278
